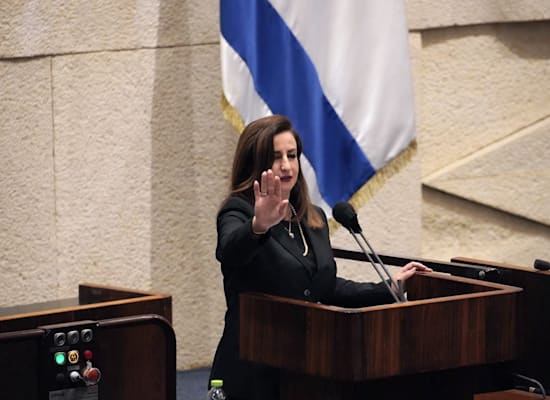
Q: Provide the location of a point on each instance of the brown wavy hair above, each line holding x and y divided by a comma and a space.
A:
255, 154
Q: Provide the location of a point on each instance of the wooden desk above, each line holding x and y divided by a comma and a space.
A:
135, 348
534, 322
508, 395
94, 302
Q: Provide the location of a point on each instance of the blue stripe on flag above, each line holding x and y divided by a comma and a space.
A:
286, 79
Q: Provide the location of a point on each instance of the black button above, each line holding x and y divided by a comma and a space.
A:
307, 292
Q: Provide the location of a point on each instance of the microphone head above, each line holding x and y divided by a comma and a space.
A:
542, 265
344, 213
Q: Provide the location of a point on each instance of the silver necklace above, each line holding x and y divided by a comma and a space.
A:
291, 234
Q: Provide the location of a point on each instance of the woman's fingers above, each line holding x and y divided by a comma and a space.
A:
264, 187
269, 183
277, 186
256, 189
270, 187
410, 269
418, 266
270, 207
405, 273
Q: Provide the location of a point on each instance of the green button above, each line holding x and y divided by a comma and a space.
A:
60, 358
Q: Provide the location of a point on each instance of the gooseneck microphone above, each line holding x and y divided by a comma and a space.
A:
541, 265
344, 214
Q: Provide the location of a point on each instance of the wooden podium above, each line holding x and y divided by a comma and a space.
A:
450, 339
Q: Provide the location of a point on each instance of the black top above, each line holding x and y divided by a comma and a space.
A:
273, 263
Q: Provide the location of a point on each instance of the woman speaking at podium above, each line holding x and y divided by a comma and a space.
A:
272, 239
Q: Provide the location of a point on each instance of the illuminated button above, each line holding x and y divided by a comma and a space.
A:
72, 337
88, 354
59, 358
59, 339
87, 335
73, 356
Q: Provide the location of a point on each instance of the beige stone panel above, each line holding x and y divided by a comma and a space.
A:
29, 28
192, 150
390, 222
424, 14
27, 204
512, 175
144, 161
456, 227
102, 113
478, 85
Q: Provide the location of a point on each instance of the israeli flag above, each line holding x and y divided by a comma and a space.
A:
339, 69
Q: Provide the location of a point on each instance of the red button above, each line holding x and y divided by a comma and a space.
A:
92, 375
88, 354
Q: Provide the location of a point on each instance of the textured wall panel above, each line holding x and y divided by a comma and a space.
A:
102, 111
424, 14
512, 175
29, 28
482, 91
27, 203
455, 227
479, 85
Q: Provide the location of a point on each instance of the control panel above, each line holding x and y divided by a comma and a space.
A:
69, 361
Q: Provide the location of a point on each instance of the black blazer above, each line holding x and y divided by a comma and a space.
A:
273, 263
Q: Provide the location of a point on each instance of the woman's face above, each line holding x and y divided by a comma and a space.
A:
285, 162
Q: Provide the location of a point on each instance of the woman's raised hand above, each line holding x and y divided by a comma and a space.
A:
269, 206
